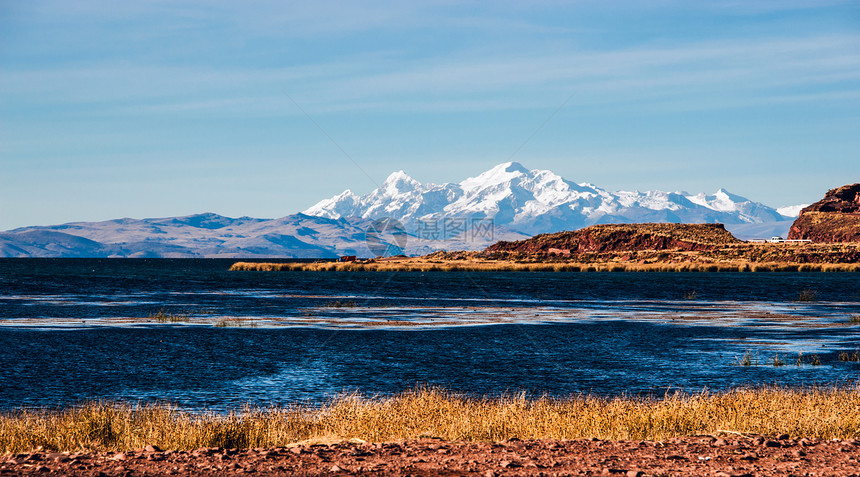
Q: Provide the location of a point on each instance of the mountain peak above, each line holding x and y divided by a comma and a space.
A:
511, 166
724, 195
497, 175
399, 182
398, 176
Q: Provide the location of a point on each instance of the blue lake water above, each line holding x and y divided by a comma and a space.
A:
80, 329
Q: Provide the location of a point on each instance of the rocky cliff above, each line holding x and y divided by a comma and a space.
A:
833, 219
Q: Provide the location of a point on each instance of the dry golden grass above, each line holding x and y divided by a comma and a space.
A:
814, 412
421, 265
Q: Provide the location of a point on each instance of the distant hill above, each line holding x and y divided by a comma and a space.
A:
632, 245
212, 236
624, 238
200, 235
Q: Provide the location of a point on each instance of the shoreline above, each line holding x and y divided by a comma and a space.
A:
424, 265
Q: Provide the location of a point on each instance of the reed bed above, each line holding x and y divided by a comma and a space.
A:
427, 412
490, 266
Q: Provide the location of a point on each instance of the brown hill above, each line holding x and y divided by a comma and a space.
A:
835, 218
623, 238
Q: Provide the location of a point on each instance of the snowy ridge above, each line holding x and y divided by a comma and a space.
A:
538, 201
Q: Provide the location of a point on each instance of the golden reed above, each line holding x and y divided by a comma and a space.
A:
806, 412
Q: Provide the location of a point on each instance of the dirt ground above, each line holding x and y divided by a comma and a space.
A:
704, 455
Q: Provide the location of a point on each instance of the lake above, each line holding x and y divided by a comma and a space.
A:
190, 332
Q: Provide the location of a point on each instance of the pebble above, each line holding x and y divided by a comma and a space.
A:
635, 473
152, 448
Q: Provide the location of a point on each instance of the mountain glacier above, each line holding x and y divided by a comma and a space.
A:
537, 201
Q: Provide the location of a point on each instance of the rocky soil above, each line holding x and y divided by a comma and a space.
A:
703, 455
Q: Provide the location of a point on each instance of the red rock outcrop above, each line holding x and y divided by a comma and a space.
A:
624, 237
835, 218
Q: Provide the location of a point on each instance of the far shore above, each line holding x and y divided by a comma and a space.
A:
422, 264
692, 248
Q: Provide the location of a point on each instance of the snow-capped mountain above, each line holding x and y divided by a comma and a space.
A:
508, 202
537, 201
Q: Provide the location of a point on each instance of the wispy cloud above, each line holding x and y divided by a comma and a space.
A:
536, 65
470, 80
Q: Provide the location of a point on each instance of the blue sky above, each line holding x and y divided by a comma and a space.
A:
162, 108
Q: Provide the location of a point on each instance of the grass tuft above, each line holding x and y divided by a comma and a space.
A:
748, 359
235, 323
162, 316
807, 295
